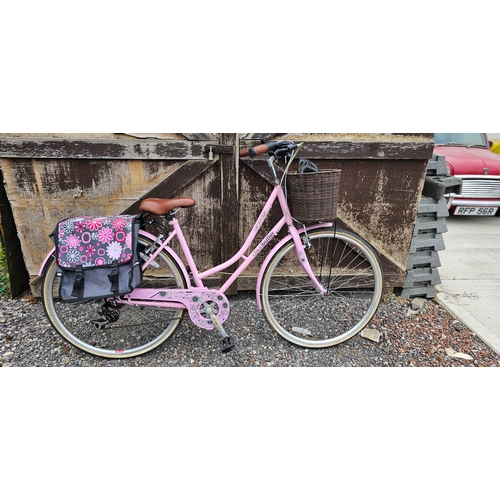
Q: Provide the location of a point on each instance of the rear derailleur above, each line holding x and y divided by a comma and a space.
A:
109, 314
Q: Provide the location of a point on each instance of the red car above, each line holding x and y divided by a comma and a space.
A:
469, 157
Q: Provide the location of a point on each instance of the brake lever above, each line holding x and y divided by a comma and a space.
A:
281, 152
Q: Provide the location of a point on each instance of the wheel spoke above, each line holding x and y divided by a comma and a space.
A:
124, 330
347, 268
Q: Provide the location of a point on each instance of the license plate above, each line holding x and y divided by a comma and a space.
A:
475, 210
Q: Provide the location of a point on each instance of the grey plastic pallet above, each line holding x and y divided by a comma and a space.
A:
437, 165
428, 241
423, 258
437, 186
422, 290
431, 206
426, 223
421, 275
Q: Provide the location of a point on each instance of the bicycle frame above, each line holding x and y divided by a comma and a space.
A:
141, 295
291, 298
198, 277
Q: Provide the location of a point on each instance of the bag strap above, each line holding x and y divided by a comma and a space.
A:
113, 277
78, 283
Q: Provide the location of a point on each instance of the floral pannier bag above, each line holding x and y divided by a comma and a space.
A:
97, 257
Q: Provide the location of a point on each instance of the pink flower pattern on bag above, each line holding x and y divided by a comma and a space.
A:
119, 224
72, 241
114, 250
79, 226
106, 235
94, 224
92, 242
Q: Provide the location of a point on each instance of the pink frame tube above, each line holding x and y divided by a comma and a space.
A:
248, 259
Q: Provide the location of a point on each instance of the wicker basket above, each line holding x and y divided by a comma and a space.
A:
313, 196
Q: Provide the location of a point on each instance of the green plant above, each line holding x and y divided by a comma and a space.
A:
4, 274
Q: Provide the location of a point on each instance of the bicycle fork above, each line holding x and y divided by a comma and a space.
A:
300, 247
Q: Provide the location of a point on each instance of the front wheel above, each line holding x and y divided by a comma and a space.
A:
346, 266
110, 329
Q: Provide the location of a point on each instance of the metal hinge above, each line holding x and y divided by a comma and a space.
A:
218, 149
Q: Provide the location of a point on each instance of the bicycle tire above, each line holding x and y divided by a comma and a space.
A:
137, 329
346, 265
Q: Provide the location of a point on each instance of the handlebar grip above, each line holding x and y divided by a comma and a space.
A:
258, 150
282, 146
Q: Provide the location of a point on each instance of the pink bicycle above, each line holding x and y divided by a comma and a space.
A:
317, 287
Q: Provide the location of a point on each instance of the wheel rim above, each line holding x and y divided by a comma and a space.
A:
346, 267
110, 330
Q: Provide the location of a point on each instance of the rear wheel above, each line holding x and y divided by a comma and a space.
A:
105, 328
346, 266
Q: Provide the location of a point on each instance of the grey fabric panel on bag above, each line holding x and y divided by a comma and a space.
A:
96, 282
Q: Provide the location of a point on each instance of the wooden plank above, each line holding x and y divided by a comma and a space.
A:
347, 150
201, 137
11, 147
230, 202
261, 168
174, 183
108, 149
257, 137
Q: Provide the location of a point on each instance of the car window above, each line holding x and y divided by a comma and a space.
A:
461, 139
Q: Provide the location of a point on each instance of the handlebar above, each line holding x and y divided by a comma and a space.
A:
277, 148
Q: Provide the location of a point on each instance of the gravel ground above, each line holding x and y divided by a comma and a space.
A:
412, 333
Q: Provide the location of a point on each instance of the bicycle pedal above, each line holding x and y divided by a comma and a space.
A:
226, 344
